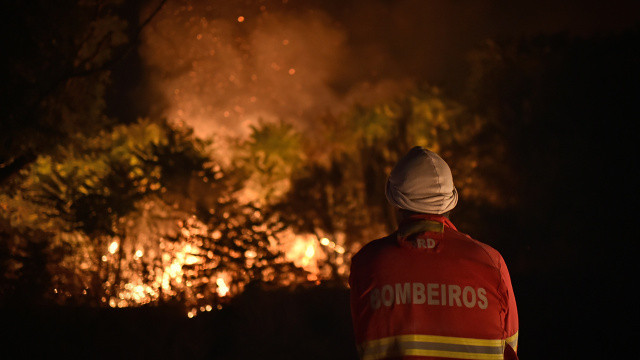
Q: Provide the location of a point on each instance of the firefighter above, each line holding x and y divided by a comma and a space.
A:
428, 291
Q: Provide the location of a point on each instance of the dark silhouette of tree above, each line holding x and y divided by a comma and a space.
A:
59, 56
563, 109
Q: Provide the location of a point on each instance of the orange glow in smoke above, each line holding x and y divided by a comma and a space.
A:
278, 68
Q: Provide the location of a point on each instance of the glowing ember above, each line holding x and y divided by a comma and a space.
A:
223, 289
309, 252
113, 247
300, 250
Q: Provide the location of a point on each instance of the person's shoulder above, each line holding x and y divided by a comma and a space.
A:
480, 248
375, 246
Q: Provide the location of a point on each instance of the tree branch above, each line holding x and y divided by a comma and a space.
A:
115, 59
9, 167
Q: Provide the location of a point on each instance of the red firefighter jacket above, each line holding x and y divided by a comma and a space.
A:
431, 292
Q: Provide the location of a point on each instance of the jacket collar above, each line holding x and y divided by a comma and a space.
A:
421, 223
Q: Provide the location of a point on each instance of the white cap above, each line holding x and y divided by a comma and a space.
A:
422, 182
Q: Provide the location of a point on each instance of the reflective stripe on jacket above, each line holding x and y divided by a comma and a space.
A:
429, 291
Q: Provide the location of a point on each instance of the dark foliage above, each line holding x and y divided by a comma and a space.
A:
285, 323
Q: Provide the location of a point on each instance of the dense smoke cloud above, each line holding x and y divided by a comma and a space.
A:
222, 65
222, 72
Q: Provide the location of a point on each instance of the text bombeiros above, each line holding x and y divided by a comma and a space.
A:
429, 294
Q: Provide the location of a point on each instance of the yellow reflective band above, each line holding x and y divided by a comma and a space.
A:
513, 340
436, 346
435, 353
437, 339
420, 226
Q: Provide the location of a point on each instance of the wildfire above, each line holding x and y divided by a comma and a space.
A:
113, 247
311, 253
304, 250
308, 254
171, 273
223, 289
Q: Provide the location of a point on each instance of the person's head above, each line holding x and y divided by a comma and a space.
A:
421, 182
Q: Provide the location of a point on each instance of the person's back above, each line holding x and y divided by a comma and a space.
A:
429, 291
